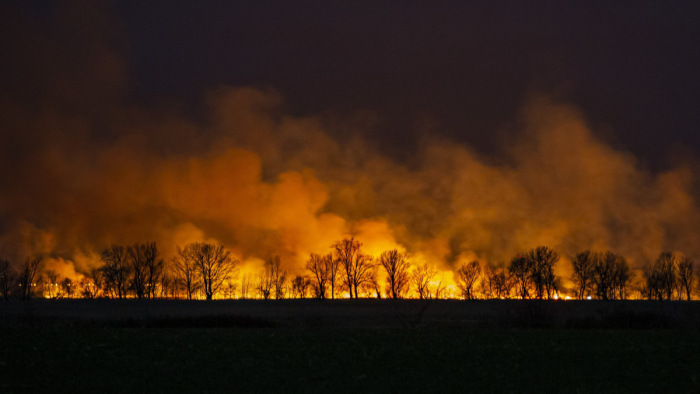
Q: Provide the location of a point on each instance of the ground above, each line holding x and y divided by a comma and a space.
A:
362, 346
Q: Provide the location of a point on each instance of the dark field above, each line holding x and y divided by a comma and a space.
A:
349, 346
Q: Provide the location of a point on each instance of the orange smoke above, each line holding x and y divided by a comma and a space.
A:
558, 186
85, 169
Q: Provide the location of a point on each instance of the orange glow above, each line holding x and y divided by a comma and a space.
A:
265, 184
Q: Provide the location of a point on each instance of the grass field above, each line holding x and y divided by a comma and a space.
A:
365, 346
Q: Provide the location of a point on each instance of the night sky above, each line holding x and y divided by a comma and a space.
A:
463, 68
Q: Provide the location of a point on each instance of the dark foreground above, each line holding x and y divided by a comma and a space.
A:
367, 346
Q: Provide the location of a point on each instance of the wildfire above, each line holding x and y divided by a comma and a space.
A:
265, 185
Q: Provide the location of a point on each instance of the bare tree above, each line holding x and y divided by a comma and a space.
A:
168, 282
67, 287
372, 285
7, 278
467, 275
519, 268
187, 272
318, 266
499, 283
488, 282
669, 274
584, 272
356, 265
397, 270
439, 289
421, 278
300, 285
264, 286
230, 289
611, 276
332, 265
246, 285
116, 270
29, 272
136, 256
604, 272
91, 284
325, 272
96, 275
622, 275
661, 277
542, 261
214, 265
154, 268
52, 288
275, 276
686, 276
363, 272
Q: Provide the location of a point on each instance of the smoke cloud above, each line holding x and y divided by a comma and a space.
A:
84, 166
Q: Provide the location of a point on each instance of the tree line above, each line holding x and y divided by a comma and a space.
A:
209, 270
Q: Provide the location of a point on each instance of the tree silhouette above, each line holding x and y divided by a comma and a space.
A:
542, 261
421, 278
498, 282
275, 276
300, 284
467, 275
686, 276
355, 264
519, 268
661, 277
214, 265
53, 290
67, 287
230, 289
332, 265
604, 274
168, 282
92, 283
439, 289
372, 285
154, 268
264, 286
137, 260
7, 278
116, 269
325, 270
397, 269
611, 275
318, 266
246, 285
622, 275
29, 272
669, 274
583, 276
187, 272
146, 268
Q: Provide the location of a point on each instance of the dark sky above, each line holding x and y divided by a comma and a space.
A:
631, 66
465, 68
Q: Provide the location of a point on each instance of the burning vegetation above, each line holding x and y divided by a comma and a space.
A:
208, 271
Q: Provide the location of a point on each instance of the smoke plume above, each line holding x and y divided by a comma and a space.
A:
85, 165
